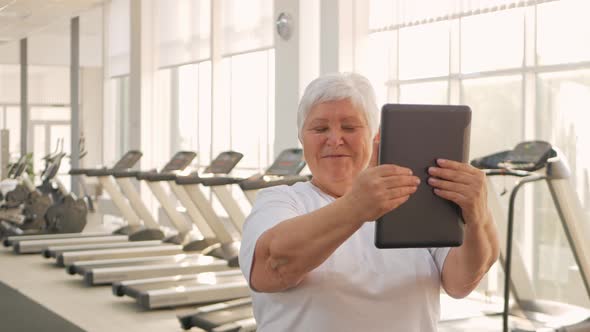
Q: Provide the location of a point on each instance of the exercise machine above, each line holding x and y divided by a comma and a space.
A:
213, 258
532, 162
211, 286
134, 230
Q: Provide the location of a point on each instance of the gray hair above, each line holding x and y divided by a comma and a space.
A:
340, 86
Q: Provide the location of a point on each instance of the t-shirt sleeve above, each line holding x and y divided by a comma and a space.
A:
271, 207
439, 255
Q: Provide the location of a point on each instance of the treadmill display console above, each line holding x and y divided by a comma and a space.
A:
529, 156
179, 162
128, 160
224, 163
492, 161
526, 156
289, 162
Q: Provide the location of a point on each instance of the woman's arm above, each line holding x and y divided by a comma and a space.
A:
466, 265
285, 253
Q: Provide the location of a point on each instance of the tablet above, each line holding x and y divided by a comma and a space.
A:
414, 136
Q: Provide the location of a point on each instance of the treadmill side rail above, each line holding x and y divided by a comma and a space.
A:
193, 295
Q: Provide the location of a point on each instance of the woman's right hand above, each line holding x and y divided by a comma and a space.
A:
381, 188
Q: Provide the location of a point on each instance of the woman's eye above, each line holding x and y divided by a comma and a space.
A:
348, 128
320, 129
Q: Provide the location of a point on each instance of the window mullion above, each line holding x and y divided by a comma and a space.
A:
174, 104
454, 83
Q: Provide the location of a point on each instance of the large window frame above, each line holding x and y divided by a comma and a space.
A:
222, 63
529, 71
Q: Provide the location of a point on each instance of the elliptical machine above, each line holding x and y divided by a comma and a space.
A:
25, 205
49, 208
13, 190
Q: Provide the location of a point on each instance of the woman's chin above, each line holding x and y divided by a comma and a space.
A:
336, 177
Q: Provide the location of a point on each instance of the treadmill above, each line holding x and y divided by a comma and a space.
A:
211, 286
134, 230
213, 258
182, 240
531, 162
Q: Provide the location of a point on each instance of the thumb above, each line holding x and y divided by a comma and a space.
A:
375, 156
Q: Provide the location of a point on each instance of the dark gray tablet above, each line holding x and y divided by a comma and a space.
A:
414, 136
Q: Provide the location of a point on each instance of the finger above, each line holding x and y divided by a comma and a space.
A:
401, 192
452, 196
391, 170
459, 166
451, 175
450, 186
396, 181
375, 156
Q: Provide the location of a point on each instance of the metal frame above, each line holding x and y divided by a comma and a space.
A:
234, 211
178, 220
119, 200
135, 200
206, 210
193, 212
75, 100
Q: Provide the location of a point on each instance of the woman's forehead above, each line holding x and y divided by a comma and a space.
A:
341, 109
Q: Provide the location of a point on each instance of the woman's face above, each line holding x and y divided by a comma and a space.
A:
337, 144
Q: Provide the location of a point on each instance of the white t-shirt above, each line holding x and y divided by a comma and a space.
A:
358, 288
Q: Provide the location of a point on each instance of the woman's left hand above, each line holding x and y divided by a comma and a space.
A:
462, 184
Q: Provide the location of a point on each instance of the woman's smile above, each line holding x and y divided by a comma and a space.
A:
336, 156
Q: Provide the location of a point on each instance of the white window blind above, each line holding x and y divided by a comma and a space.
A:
184, 31
91, 38
394, 14
9, 84
50, 46
49, 65
9, 53
49, 85
9, 73
119, 37
247, 25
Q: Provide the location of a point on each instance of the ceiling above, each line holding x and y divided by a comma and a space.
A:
20, 18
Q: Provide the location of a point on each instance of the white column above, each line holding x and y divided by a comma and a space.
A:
344, 32
142, 72
296, 64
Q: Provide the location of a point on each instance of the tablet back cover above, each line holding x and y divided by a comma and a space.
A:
414, 136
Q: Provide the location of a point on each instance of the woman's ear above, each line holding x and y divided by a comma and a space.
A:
377, 137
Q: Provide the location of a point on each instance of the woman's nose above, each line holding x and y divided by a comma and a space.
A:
335, 137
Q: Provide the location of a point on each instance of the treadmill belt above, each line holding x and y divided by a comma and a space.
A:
213, 319
148, 261
136, 290
19, 313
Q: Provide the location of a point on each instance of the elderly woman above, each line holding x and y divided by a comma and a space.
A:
307, 249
